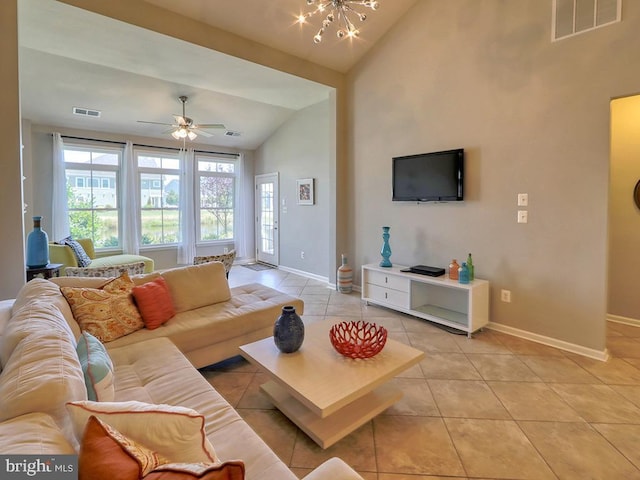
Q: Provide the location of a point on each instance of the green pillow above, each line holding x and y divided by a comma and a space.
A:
97, 368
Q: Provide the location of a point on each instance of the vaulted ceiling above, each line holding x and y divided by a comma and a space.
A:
70, 57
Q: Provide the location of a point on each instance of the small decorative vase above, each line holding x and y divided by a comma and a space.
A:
37, 246
345, 276
288, 331
471, 268
453, 269
463, 273
386, 249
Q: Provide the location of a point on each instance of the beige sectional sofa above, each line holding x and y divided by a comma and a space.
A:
41, 372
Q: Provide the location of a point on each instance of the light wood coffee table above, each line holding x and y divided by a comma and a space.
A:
324, 393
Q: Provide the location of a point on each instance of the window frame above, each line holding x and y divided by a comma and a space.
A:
95, 173
198, 174
151, 182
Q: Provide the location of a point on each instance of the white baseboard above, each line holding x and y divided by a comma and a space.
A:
551, 342
626, 320
313, 276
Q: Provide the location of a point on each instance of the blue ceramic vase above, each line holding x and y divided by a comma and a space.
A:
288, 331
386, 248
37, 246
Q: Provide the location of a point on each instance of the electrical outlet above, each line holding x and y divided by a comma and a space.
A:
505, 296
225, 250
302, 254
523, 216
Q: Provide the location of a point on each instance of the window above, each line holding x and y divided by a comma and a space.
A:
216, 190
91, 215
159, 180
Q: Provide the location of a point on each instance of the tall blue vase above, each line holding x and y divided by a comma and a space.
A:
288, 331
386, 248
37, 246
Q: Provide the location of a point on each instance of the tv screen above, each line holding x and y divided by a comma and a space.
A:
429, 177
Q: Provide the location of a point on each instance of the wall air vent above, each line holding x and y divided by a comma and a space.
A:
232, 133
572, 17
86, 112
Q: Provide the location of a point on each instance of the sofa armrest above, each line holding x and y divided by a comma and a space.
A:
335, 469
62, 254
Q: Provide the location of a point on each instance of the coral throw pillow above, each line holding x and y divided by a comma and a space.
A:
106, 454
108, 312
154, 302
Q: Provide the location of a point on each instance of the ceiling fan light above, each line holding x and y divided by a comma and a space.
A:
175, 134
191, 135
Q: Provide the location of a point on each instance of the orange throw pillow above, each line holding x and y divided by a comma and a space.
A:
102, 457
154, 302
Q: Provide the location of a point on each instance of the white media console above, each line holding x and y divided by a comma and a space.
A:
438, 299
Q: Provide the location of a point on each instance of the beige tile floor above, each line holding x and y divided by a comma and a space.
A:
491, 407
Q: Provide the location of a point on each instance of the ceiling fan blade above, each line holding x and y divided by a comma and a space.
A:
201, 132
154, 123
210, 125
170, 130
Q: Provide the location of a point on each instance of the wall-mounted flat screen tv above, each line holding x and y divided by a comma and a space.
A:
429, 177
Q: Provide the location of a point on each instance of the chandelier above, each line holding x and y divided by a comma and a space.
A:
339, 11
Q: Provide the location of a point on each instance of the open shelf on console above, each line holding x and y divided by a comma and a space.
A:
443, 313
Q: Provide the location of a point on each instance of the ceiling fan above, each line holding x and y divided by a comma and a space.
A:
184, 126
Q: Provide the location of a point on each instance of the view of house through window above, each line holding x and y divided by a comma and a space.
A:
159, 177
94, 189
92, 193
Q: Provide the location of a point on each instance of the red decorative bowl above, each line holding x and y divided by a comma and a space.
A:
358, 339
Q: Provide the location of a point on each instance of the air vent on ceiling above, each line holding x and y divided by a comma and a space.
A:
232, 133
86, 112
571, 17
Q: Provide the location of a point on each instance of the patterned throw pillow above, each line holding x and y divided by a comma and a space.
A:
81, 256
108, 312
109, 271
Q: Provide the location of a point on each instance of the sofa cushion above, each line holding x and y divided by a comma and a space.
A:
35, 317
39, 288
154, 302
42, 372
108, 312
97, 368
176, 433
122, 259
196, 286
33, 434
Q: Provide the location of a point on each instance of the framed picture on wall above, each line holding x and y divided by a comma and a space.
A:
305, 191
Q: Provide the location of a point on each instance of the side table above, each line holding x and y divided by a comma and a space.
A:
48, 271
